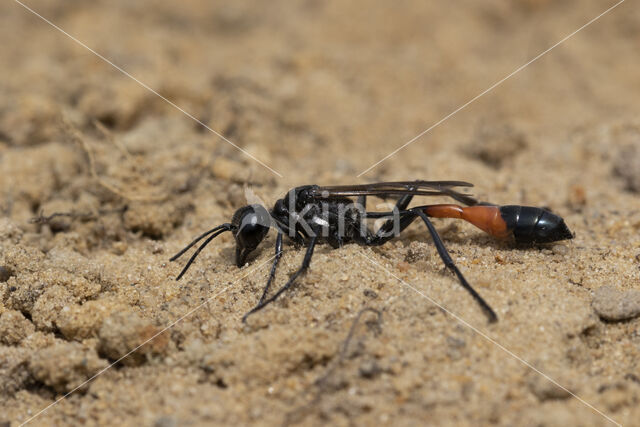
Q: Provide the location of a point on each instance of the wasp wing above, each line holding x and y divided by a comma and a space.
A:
398, 188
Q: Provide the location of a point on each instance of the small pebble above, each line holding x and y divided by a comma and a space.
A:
119, 248
418, 251
5, 273
545, 390
369, 293
456, 342
611, 303
369, 369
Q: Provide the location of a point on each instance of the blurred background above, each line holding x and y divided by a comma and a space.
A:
318, 91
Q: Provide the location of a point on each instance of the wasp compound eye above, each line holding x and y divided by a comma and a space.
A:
251, 225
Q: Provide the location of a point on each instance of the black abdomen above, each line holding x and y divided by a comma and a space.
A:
534, 225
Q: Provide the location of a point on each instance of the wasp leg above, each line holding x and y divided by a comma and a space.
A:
272, 274
383, 234
303, 268
448, 262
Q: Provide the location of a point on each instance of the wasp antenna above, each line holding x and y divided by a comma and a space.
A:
225, 226
202, 246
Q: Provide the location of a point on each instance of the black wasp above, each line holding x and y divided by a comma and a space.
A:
312, 214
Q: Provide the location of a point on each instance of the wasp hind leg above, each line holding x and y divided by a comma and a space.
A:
385, 232
448, 262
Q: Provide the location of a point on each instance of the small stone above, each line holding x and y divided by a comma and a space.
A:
119, 248
369, 293
544, 389
418, 251
455, 347
369, 369
5, 273
456, 342
157, 248
613, 304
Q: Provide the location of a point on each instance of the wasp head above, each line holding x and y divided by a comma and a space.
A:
250, 225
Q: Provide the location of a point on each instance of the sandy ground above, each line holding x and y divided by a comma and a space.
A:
318, 91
